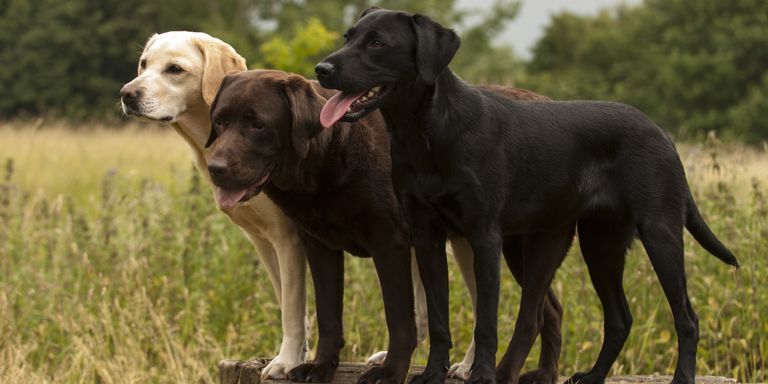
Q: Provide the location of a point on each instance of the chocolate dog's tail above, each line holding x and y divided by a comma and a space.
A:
701, 232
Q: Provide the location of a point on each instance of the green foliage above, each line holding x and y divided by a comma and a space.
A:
750, 116
299, 55
70, 58
688, 64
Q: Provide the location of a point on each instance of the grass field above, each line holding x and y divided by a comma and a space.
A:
115, 267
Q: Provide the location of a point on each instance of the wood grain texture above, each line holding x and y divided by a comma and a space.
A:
249, 372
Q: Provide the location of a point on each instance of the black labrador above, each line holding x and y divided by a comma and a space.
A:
466, 160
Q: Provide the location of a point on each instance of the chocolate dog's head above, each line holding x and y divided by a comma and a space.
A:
261, 119
385, 50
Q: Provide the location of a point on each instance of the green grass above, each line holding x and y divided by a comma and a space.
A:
115, 267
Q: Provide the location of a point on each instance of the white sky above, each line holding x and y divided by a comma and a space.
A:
527, 28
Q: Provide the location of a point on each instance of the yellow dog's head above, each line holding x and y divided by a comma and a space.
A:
178, 72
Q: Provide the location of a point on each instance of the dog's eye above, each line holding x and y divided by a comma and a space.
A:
220, 122
375, 44
256, 125
143, 63
174, 68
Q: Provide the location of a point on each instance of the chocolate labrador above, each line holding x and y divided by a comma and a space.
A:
467, 161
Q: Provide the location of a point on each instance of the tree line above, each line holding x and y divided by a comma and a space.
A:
693, 65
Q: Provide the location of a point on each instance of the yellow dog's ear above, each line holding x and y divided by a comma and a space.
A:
305, 104
219, 59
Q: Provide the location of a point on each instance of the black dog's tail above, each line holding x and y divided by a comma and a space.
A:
701, 232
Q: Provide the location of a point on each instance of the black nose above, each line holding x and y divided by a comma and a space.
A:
130, 94
218, 168
324, 69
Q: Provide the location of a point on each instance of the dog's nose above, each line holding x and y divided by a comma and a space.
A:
218, 168
324, 69
130, 94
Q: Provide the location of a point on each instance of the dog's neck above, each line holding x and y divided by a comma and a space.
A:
324, 169
419, 111
194, 126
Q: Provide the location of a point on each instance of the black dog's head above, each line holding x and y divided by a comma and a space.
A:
384, 50
261, 119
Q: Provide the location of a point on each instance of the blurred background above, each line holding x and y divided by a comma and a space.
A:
116, 267
693, 66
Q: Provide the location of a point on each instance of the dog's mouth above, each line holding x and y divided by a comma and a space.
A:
129, 111
228, 198
352, 106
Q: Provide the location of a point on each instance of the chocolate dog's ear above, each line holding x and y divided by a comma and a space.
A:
305, 104
213, 136
436, 46
367, 11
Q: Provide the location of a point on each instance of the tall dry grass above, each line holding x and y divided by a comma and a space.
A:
115, 267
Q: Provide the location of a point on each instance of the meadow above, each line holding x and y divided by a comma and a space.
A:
115, 267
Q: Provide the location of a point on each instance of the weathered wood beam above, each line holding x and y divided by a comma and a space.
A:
249, 372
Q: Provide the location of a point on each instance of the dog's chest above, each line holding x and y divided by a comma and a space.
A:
329, 218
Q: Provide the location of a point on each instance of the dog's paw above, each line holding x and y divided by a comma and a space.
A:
482, 375
538, 376
429, 377
460, 371
377, 358
383, 375
279, 368
585, 378
313, 373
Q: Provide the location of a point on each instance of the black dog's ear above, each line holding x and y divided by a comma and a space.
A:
436, 46
213, 136
367, 11
305, 104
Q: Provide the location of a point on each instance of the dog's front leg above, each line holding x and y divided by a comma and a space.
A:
420, 301
486, 246
429, 244
393, 265
293, 349
327, 268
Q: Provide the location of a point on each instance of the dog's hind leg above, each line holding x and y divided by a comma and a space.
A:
662, 238
551, 337
604, 241
543, 252
462, 253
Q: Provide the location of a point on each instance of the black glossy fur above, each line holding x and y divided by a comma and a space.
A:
466, 160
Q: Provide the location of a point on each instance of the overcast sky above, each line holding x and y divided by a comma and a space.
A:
527, 28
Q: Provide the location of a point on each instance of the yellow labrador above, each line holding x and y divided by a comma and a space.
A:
178, 76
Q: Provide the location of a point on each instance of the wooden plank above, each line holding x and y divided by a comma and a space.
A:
249, 372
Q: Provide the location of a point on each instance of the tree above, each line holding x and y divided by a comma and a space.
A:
691, 65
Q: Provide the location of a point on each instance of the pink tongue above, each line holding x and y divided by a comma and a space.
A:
229, 198
335, 108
